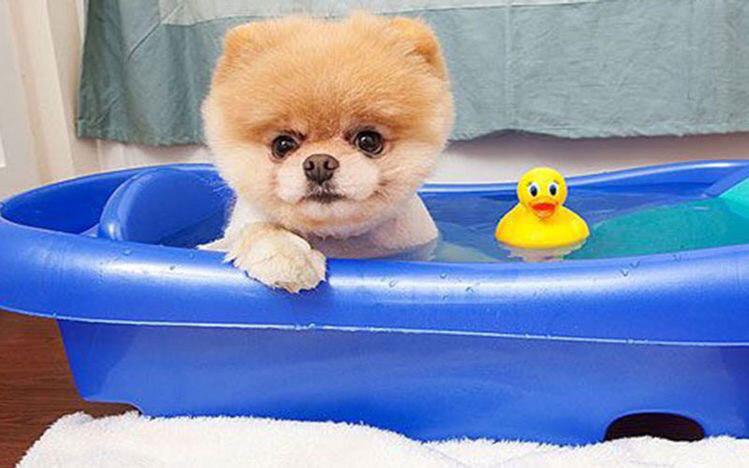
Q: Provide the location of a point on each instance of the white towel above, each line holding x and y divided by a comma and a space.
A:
131, 440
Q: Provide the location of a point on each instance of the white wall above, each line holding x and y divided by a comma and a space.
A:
2, 152
18, 162
503, 157
46, 41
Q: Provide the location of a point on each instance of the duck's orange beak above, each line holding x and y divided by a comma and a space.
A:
544, 208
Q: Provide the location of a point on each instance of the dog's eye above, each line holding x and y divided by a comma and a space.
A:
369, 141
283, 145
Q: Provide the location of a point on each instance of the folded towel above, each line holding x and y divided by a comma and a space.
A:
131, 440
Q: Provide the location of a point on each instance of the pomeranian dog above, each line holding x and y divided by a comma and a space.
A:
325, 130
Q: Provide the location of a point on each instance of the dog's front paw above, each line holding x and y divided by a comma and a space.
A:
277, 258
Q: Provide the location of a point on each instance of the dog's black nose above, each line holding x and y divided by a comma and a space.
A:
320, 167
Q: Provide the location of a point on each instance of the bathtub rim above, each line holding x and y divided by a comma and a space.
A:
52, 291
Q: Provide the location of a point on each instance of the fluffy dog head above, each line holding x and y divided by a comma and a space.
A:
328, 127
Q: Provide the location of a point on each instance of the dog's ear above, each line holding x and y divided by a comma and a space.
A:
248, 40
423, 40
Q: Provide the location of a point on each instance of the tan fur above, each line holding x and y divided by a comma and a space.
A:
294, 267
326, 80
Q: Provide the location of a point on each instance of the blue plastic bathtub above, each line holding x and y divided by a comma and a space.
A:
537, 351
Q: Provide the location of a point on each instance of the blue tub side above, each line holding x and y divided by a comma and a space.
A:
429, 387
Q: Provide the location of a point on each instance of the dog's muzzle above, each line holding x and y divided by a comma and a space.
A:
319, 168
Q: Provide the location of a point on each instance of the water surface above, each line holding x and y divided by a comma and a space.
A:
623, 222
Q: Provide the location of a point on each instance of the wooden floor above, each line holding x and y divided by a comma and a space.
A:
36, 387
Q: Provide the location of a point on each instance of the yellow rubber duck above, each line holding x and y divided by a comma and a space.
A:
539, 221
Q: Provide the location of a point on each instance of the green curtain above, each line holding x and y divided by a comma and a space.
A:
577, 69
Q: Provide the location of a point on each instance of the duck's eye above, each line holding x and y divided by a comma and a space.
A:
553, 189
533, 189
283, 145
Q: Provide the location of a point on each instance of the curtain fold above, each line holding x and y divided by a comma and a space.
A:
568, 68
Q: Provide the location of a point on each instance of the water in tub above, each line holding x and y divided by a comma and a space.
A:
622, 223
